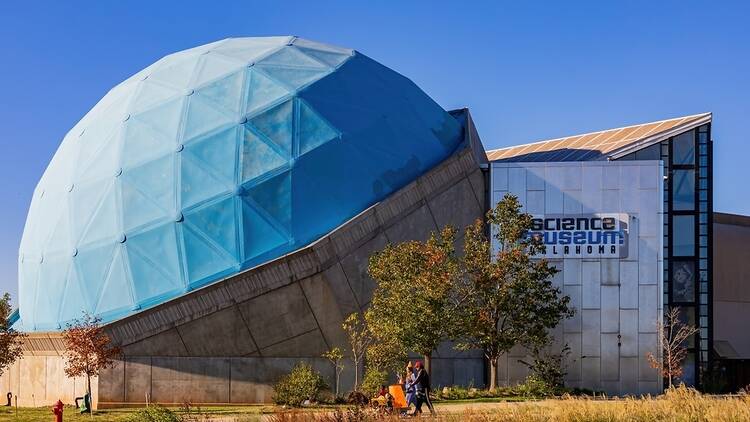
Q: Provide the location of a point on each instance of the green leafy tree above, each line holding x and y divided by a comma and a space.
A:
386, 355
507, 299
411, 305
359, 340
11, 341
301, 384
336, 357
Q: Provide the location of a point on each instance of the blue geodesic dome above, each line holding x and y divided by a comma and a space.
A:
213, 160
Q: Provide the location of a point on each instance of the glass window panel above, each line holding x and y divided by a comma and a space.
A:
703, 149
703, 219
703, 240
703, 161
703, 129
703, 251
704, 287
687, 317
683, 235
683, 190
704, 172
703, 264
704, 229
704, 206
683, 148
704, 195
704, 298
703, 184
683, 281
704, 275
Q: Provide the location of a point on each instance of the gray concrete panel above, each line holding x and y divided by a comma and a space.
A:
190, 380
648, 297
457, 206
647, 344
418, 225
572, 272
610, 309
573, 324
535, 202
629, 284
591, 332
310, 344
629, 332
137, 379
326, 310
610, 359
535, 179
222, 333
278, 316
629, 375
610, 272
167, 343
355, 268
591, 372
340, 288
112, 383
573, 360
591, 289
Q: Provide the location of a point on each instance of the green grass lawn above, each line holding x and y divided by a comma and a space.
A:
41, 414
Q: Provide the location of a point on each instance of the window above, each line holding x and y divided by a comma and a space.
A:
683, 278
683, 190
683, 235
683, 149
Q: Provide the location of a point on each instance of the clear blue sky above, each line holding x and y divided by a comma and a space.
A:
527, 70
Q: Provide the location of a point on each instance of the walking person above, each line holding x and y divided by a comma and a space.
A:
422, 385
409, 387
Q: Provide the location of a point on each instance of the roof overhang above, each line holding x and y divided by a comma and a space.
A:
655, 139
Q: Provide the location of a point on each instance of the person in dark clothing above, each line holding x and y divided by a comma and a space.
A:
422, 385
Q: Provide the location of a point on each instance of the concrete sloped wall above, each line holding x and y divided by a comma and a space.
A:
229, 342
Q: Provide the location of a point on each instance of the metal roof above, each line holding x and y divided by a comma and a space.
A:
602, 145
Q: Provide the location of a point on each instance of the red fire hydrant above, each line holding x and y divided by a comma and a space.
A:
58, 411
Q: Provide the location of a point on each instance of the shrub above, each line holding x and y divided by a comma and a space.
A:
535, 386
302, 383
373, 380
154, 414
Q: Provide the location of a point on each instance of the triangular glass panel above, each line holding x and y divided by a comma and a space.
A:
294, 77
215, 66
93, 264
76, 299
198, 184
331, 58
60, 240
247, 50
151, 94
103, 162
259, 236
313, 129
226, 93
204, 116
164, 118
217, 222
155, 251
262, 91
276, 125
53, 276
116, 294
258, 158
218, 152
178, 75
28, 270
148, 192
141, 143
103, 225
203, 260
86, 198
274, 196
290, 56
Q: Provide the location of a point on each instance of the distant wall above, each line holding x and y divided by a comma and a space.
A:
731, 286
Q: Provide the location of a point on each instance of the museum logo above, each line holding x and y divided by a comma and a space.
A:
582, 235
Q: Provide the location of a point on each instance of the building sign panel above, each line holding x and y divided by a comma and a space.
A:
598, 235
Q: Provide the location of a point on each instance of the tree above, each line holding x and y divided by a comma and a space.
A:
412, 304
11, 341
673, 334
335, 356
88, 349
507, 298
359, 341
